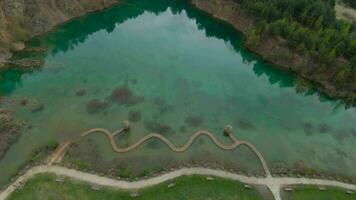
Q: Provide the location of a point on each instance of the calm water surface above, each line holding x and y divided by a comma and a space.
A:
177, 70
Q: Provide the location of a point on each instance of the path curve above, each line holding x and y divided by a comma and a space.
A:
235, 143
271, 182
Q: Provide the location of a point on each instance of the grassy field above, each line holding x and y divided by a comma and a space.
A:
45, 187
313, 193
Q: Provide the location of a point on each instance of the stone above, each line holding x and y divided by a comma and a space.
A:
26, 63
35, 49
288, 189
95, 106
80, 92
59, 180
95, 188
349, 192
171, 185
209, 178
18, 46
322, 188
247, 186
38, 107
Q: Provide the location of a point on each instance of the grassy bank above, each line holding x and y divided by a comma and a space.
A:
313, 193
190, 187
37, 156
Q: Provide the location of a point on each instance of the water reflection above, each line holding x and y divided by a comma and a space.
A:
77, 31
71, 34
182, 73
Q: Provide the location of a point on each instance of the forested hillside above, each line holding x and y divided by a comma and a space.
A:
311, 30
309, 26
351, 3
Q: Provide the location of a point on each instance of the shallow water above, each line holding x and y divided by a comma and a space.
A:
185, 71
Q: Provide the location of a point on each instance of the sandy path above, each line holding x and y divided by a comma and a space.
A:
58, 154
235, 143
274, 184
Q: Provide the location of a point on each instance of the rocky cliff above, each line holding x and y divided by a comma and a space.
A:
21, 20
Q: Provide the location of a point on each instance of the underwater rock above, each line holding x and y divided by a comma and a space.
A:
193, 121
23, 102
80, 92
162, 106
134, 81
26, 63
341, 135
324, 128
95, 106
34, 105
38, 107
159, 128
183, 129
122, 95
245, 124
134, 116
35, 49
9, 130
308, 128
353, 132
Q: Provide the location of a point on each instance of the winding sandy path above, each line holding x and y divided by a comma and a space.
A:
274, 184
235, 143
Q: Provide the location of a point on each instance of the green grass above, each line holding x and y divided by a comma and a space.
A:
44, 187
313, 193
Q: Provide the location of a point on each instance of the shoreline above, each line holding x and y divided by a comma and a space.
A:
230, 12
8, 53
244, 44
274, 184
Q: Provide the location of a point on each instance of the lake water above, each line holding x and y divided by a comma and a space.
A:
170, 67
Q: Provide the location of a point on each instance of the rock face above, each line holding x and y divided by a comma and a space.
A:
9, 130
22, 19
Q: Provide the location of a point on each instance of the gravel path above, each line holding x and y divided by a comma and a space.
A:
274, 184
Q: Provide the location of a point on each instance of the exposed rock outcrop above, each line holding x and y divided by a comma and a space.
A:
9, 130
21, 20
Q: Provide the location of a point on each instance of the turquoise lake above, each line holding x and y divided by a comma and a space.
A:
181, 71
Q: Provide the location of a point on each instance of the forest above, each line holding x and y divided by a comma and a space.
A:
351, 3
310, 27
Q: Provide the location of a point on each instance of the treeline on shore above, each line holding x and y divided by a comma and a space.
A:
351, 3
311, 28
